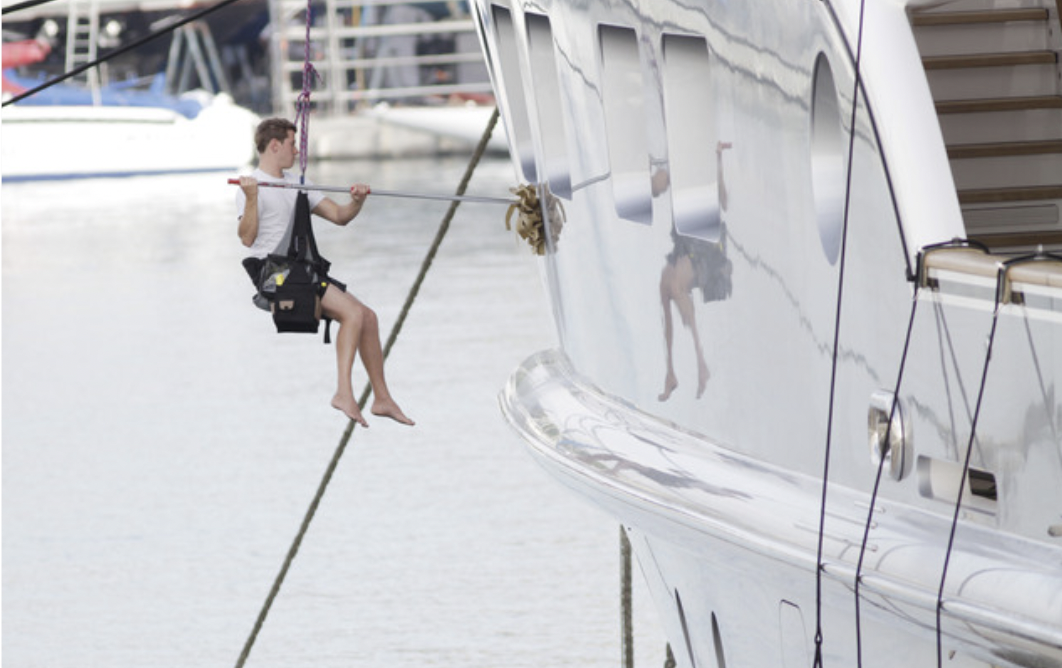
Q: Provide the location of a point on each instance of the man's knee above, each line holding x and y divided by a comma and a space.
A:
340, 307
369, 316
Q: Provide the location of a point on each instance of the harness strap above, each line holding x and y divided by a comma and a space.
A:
302, 120
303, 247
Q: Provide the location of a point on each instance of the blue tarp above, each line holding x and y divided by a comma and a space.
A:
114, 95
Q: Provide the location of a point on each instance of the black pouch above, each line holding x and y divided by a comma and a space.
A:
296, 307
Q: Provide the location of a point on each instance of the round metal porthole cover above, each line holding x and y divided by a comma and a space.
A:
891, 443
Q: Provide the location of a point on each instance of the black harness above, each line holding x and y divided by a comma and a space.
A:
291, 283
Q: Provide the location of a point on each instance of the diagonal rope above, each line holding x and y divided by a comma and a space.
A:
440, 234
887, 440
19, 6
114, 54
842, 261
920, 279
966, 465
1003, 297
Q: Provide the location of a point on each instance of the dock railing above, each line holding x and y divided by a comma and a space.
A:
369, 51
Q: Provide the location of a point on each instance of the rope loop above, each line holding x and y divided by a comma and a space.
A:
302, 103
302, 115
530, 223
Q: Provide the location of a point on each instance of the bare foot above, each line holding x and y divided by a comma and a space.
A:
388, 408
349, 407
702, 378
670, 383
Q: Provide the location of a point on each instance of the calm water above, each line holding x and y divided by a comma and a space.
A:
161, 445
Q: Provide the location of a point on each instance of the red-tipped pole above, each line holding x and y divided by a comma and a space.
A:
384, 193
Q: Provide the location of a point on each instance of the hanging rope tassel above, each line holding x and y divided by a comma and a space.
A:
530, 224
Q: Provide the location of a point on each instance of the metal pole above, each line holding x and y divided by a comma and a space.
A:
388, 193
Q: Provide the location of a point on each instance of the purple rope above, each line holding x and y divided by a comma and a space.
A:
302, 103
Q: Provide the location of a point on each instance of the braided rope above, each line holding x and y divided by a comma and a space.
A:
626, 602
302, 103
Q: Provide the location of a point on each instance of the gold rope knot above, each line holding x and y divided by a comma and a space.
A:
529, 224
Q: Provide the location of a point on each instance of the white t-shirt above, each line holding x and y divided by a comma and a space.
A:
275, 208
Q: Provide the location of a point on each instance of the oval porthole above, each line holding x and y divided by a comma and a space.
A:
827, 159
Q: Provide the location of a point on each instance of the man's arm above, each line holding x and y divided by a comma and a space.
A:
341, 214
248, 228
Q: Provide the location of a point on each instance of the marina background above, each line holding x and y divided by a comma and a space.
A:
161, 444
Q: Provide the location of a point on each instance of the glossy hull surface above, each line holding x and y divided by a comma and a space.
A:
733, 284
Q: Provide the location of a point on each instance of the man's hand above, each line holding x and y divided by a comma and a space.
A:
358, 193
249, 185
341, 214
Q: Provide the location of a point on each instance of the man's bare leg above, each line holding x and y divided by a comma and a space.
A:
359, 332
684, 302
372, 357
337, 306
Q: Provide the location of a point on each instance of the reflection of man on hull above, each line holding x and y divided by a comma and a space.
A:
694, 263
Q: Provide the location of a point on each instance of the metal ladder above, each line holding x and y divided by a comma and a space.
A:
193, 50
83, 35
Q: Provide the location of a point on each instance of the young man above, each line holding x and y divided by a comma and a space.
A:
264, 215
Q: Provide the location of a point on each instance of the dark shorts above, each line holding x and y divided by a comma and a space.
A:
712, 270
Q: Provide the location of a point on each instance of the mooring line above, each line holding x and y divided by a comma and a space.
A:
626, 602
19, 6
444, 226
841, 271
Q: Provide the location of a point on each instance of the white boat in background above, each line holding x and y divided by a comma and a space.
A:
464, 122
110, 129
850, 453
83, 141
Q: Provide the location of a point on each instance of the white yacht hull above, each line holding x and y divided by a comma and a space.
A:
65, 142
741, 285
